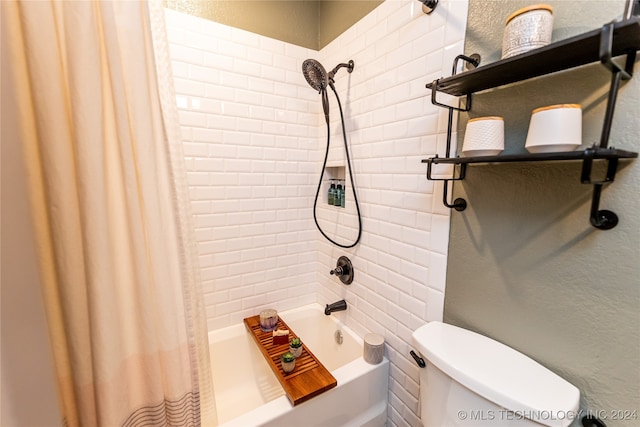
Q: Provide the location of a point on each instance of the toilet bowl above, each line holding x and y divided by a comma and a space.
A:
471, 380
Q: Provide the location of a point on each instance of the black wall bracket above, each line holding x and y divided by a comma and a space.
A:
606, 219
458, 204
429, 6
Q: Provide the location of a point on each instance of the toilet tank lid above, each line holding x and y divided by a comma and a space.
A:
499, 373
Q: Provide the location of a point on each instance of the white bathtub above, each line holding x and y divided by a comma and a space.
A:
248, 394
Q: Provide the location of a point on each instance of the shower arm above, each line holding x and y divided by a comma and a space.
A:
349, 66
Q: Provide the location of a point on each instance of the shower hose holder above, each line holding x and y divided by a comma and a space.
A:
428, 6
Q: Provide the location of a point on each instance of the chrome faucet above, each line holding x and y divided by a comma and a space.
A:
336, 306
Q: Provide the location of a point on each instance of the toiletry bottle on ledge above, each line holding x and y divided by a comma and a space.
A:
344, 190
332, 193
339, 195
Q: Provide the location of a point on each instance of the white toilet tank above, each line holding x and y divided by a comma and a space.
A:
471, 380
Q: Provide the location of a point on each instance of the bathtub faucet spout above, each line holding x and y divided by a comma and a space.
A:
336, 306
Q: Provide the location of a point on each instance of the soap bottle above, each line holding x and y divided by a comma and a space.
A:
344, 190
332, 193
339, 195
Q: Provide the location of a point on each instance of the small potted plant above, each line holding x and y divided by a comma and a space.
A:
295, 347
288, 362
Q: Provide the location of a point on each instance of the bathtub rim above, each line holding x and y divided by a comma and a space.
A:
231, 329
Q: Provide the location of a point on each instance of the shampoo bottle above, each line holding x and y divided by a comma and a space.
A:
332, 193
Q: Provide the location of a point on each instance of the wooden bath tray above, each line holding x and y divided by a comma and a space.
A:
308, 379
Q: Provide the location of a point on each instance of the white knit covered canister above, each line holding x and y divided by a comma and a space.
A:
373, 348
526, 29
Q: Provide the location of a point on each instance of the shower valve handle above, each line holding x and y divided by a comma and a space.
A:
343, 270
337, 271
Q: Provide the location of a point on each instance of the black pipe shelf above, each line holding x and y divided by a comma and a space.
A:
562, 55
597, 153
602, 45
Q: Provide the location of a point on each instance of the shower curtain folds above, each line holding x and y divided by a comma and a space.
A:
106, 184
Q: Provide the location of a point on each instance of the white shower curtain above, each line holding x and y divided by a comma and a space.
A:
99, 127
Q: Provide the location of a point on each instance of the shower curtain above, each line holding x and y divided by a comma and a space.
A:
98, 123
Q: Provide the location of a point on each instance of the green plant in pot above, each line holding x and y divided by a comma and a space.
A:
295, 347
288, 362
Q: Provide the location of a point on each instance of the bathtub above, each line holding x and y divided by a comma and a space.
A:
248, 394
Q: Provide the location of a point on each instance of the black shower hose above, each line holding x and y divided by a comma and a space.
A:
353, 187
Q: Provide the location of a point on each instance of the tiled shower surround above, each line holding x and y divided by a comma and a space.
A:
254, 139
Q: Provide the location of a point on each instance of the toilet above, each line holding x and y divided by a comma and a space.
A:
471, 380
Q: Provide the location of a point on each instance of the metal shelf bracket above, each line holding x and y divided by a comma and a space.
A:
458, 204
600, 219
606, 219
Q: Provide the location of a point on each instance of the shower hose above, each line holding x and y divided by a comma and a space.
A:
353, 187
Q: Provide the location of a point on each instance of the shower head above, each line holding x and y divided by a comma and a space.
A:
319, 79
315, 74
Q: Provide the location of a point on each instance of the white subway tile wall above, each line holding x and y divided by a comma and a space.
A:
254, 136
249, 126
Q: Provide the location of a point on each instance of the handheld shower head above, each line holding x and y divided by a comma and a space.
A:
315, 74
318, 79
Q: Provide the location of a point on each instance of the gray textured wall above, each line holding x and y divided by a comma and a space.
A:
525, 267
